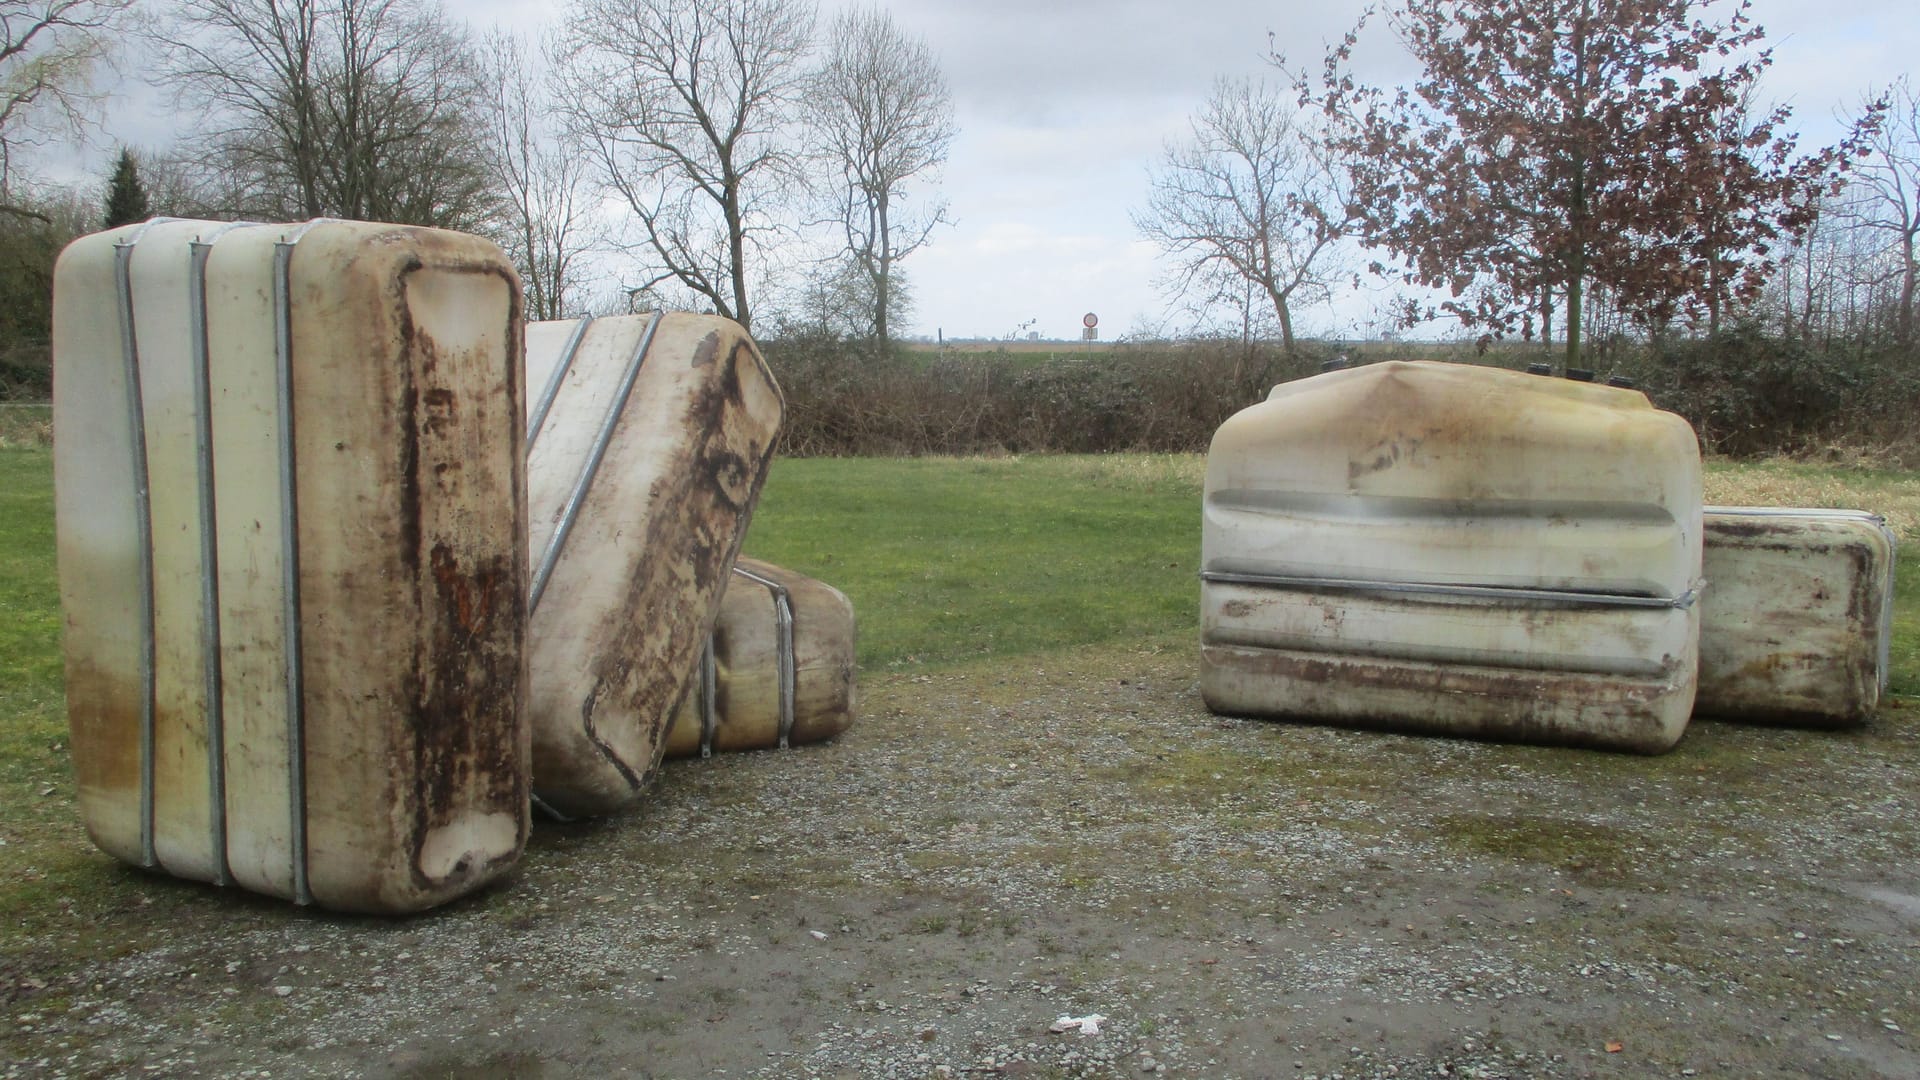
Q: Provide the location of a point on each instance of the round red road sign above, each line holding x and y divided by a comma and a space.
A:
1090, 321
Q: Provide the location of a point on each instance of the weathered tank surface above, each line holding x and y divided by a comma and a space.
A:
1454, 549
289, 497
779, 669
649, 438
1797, 618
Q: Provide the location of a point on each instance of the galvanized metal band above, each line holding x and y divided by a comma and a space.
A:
537, 419
784, 664
546, 808
290, 561
1823, 513
209, 561
1886, 610
143, 516
584, 482
1486, 592
709, 707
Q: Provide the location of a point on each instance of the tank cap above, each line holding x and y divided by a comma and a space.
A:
1622, 382
1539, 369
1579, 374
1334, 364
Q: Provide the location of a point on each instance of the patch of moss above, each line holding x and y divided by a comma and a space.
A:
1594, 853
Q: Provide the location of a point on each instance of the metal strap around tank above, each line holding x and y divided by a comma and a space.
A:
1787, 511
198, 250
546, 808
143, 514
290, 558
538, 418
784, 666
1886, 609
1415, 588
584, 482
709, 708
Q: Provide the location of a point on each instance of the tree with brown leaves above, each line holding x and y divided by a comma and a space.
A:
1551, 146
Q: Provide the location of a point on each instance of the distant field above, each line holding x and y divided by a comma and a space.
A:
1088, 349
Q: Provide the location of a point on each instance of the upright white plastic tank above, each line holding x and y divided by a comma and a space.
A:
1454, 549
1797, 618
290, 513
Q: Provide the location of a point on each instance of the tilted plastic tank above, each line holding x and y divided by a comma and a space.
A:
1797, 617
290, 517
1454, 549
778, 671
649, 437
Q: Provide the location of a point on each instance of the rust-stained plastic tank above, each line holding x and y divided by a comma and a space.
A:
1797, 617
779, 669
648, 438
289, 493
1454, 549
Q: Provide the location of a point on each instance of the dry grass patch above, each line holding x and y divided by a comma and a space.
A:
1893, 495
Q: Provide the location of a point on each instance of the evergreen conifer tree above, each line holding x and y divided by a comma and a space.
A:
126, 196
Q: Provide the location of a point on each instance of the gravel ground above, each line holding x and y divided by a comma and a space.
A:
999, 846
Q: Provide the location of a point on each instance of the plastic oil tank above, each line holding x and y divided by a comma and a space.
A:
1797, 617
778, 671
1454, 549
289, 495
648, 439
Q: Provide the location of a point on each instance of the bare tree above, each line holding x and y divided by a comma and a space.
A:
1251, 197
364, 109
881, 114
1887, 181
50, 51
545, 219
684, 105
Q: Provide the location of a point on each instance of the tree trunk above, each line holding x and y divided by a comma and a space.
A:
1285, 315
883, 280
1910, 270
1577, 212
736, 250
1573, 313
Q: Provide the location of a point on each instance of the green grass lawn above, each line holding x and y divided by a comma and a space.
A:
954, 559
31, 706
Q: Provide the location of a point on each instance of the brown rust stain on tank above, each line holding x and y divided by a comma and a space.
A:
103, 726
442, 406
1518, 699
1236, 609
463, 733
470, 597
1867, 597
1383, 456
462, 744
704, 352
705, 518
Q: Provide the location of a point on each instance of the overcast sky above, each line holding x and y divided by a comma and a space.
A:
1063, 105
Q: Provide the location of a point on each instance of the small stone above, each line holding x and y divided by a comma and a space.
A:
282, 991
